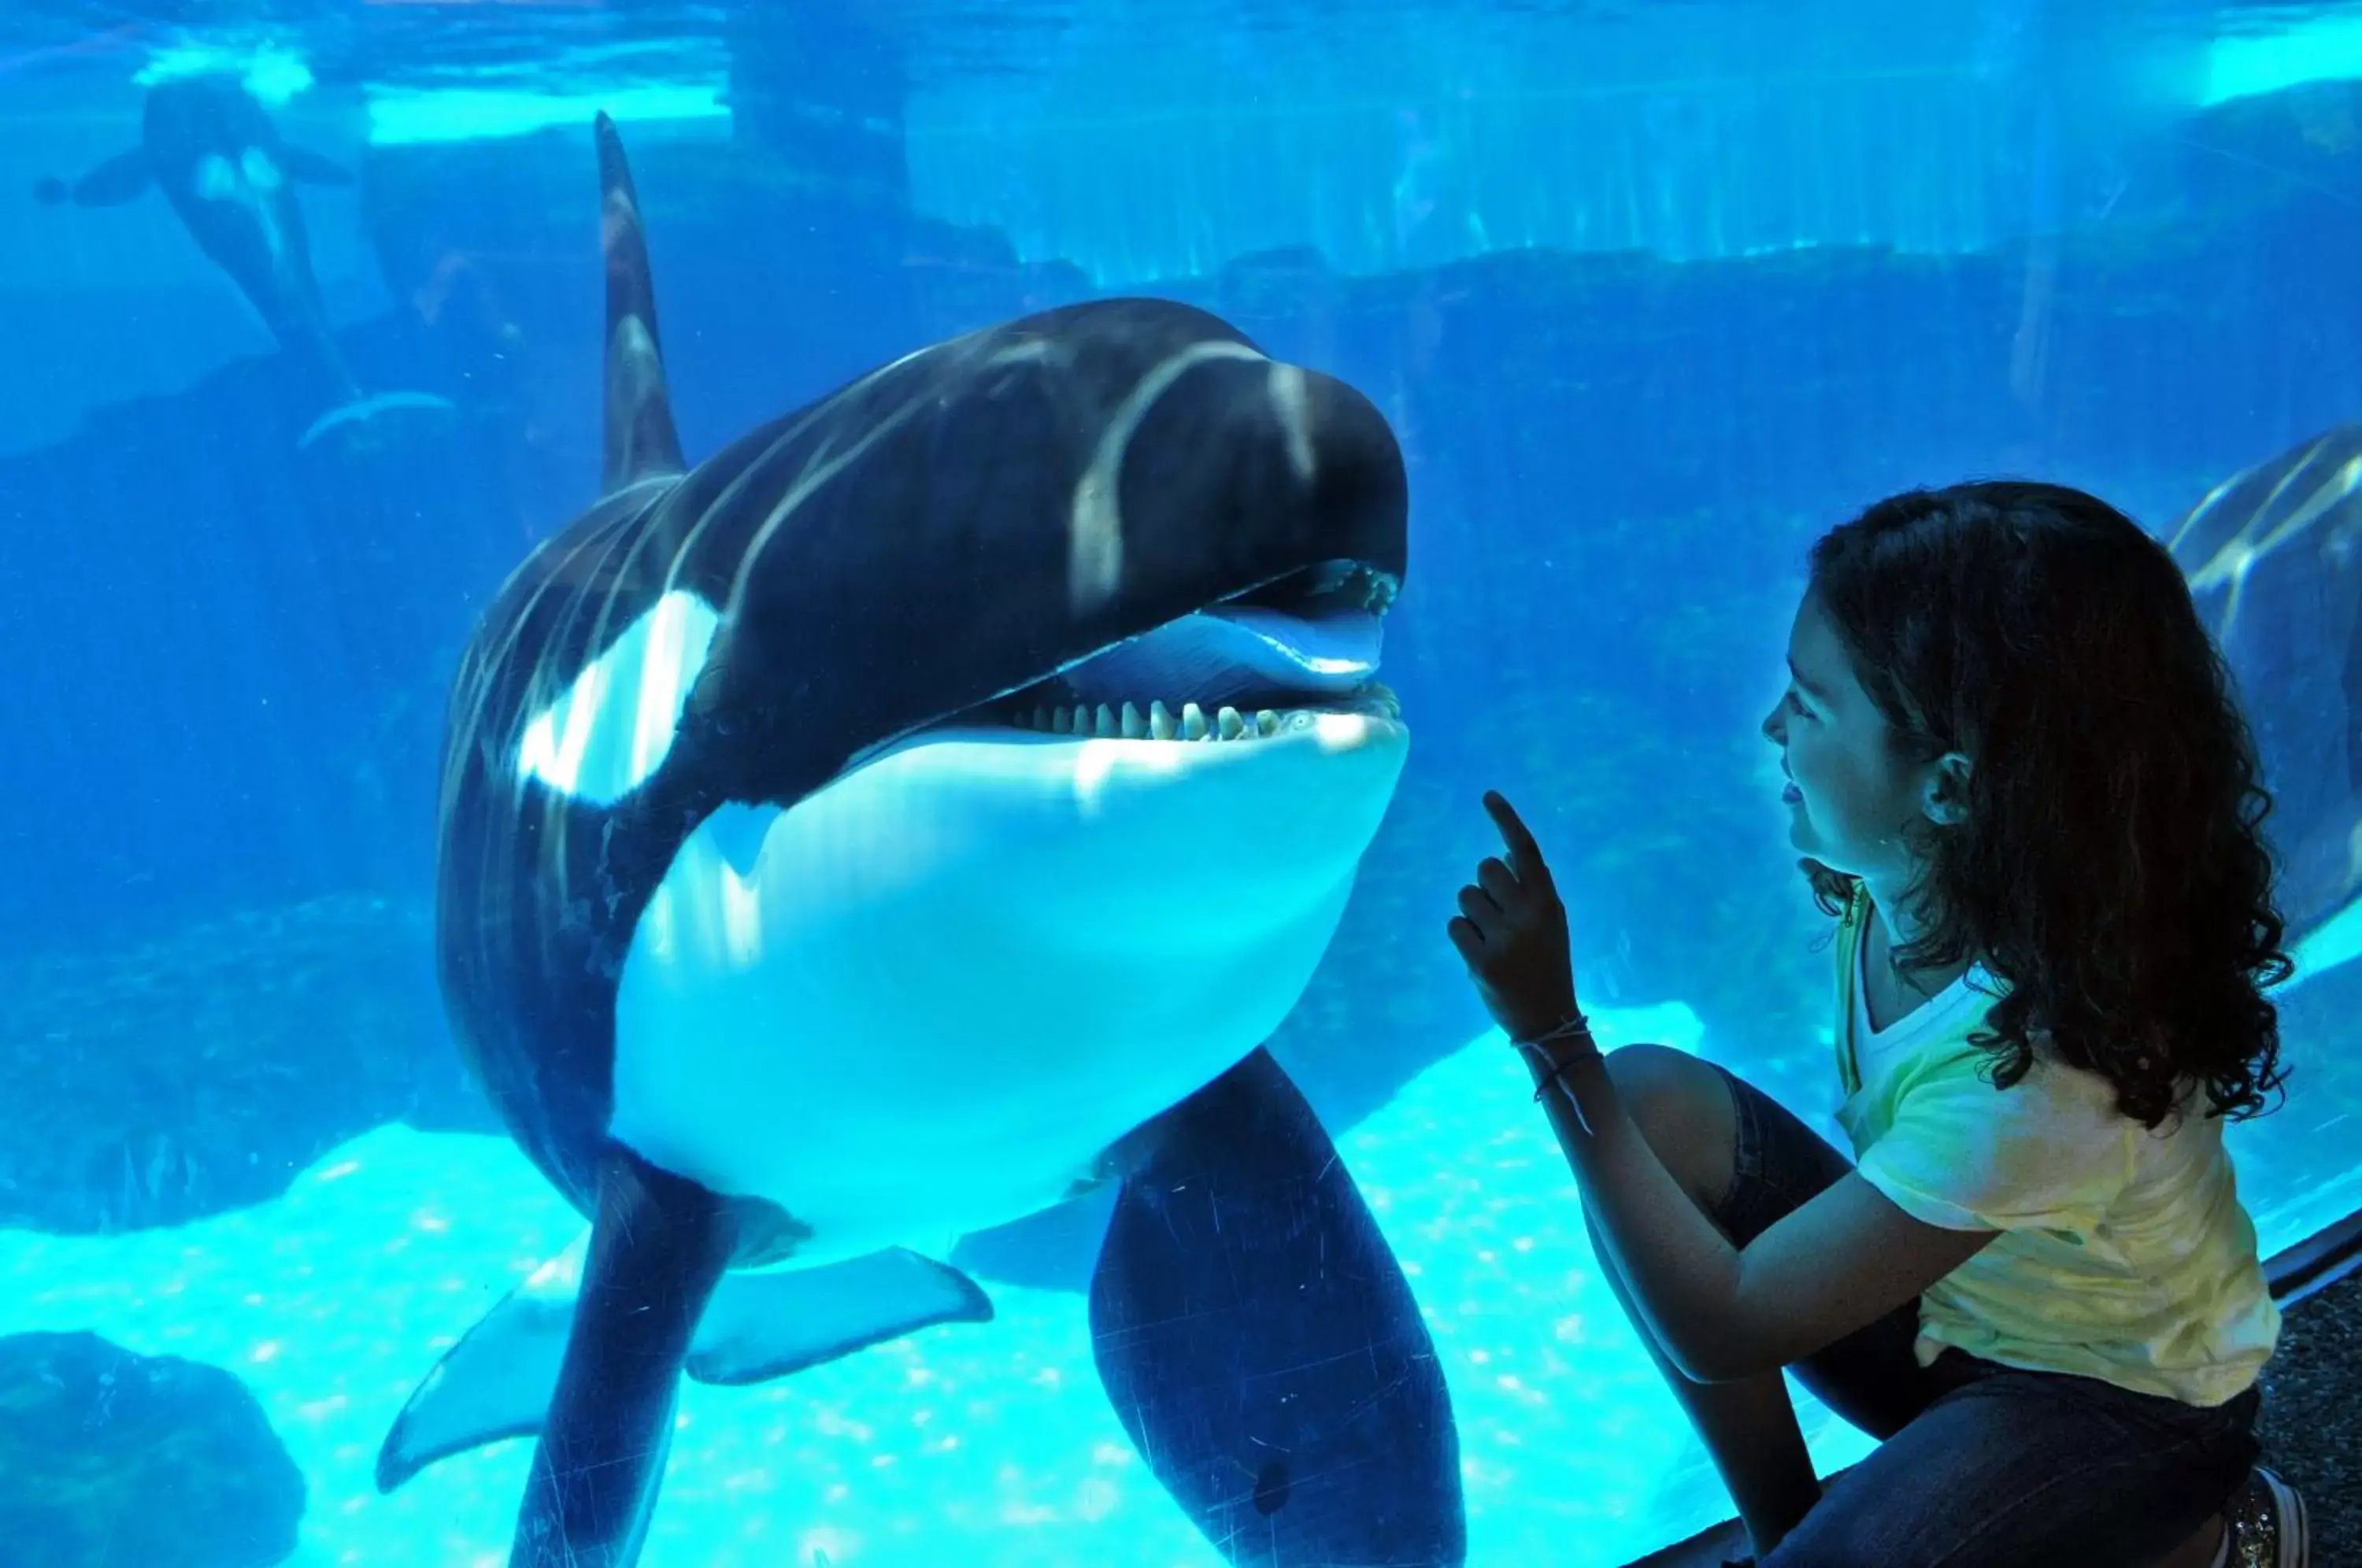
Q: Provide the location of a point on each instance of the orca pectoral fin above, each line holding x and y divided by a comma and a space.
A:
658, 1246
313, 168
762, 1326
113, 182
1262, 1346
497, 1380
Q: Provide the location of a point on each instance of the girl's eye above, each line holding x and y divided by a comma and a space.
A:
1795, 703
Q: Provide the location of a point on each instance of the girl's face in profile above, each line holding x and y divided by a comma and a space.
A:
1851, 794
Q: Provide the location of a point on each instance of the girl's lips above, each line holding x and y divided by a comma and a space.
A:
1791, 795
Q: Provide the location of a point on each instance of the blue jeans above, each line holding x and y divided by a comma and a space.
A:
1979, 1464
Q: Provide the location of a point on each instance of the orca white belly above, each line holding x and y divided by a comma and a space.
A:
924, 1001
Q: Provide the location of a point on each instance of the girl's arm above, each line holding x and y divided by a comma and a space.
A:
1841, 1260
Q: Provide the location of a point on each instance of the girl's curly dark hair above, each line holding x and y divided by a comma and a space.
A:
2112, 871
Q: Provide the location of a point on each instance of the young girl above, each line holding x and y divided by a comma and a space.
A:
2019, 781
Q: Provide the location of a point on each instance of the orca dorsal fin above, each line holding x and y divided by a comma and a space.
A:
641, 442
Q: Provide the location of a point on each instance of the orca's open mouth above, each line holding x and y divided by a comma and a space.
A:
1262, 664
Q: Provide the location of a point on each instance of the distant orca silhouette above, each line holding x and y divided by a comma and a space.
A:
2271, 558
208, 144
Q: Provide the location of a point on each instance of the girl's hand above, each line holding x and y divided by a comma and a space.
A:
1511, 929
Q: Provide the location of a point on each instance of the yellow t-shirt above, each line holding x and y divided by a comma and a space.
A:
2126, 1253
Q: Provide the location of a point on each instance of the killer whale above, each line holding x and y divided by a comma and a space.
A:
2273, 555
211, 147
913, 815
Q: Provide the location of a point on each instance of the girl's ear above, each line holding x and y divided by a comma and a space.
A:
1944, 797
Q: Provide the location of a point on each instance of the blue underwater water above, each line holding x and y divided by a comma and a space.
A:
1649, 296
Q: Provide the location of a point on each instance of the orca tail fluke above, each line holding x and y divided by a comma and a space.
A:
361, 410
640, 439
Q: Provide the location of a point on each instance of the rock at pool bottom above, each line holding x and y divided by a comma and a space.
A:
109, 1458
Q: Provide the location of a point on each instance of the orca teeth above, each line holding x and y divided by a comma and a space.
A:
1159, 722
